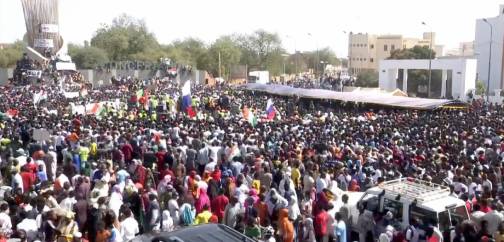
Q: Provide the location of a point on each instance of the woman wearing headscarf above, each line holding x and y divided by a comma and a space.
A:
173, 207
354, 186
285, 227
307, 231
187, 214
293, 207
167, 222
286, 186
116, 200
275, 201
201, 200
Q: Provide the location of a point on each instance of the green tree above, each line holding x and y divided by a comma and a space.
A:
190, 51
11, 54
87, 57
367, 78
126, 38
480, 88
261, 50
417, 52
230, 55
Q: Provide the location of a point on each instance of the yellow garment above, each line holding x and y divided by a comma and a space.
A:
93, 148
296, 176
5, 141
84, 153
203, 217
256, 184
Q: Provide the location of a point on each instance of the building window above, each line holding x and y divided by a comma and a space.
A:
392, 47
365, 45
371, 60
385, 48
372, 46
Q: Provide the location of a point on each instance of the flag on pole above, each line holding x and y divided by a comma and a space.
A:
187, 99
270, 110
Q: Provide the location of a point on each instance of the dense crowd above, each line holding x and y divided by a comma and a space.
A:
147, 167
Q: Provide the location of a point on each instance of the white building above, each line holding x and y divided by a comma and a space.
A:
482, 50
457, 79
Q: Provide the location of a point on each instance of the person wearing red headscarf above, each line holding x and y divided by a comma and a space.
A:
202, 200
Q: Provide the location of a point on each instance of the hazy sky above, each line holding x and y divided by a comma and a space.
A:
453, 20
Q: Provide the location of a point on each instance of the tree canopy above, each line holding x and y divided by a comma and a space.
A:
11, 54
128, 38
87, 57
417, 52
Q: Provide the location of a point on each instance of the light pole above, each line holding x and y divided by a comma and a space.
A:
489, 58
430, 60
284, 57
295, 53
324, 64
318, 57
349, 54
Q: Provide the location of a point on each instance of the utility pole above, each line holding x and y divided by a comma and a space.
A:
430, 61
489, 59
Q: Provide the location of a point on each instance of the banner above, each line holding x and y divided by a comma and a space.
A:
34, 73
41, 135
71, 94
43, 43
49, 28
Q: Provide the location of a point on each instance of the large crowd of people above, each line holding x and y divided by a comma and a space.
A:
148, 167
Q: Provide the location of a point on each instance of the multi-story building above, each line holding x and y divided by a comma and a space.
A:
465, 49
366, 50
482, 50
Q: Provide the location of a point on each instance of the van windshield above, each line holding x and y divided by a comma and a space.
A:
458, 214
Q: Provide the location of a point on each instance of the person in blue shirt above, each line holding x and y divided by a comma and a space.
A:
340, 228
41, 174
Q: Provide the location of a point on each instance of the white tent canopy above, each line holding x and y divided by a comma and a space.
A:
358, 97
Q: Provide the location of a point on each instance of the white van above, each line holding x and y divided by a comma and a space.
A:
409, 198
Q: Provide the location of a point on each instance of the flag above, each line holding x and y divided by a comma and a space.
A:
83, 92
252, 119
94, 109
140, 93
102, 111
12, 113
248, 114
187, 100
270, 110
37, 97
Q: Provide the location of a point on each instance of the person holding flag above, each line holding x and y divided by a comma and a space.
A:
187, 99
270, 110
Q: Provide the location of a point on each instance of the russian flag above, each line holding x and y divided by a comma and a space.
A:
270, 110
187, 100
